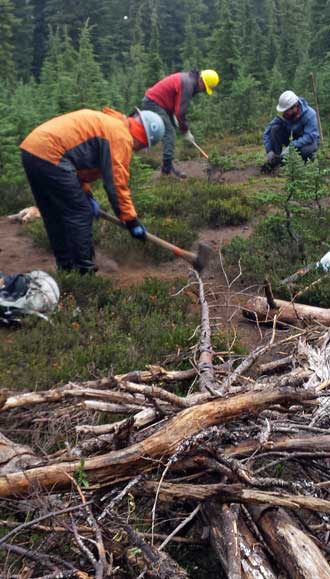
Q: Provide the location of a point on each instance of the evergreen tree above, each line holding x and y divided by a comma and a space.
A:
154, 65
40, 34
319, 21
294, 36
7, 23
91, 89
195, 36
224, 48
23, 33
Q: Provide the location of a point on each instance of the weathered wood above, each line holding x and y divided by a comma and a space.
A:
207, 381
145, 455
257, 308
14, 457
222, 523
254, 561
297, 553
235, 493
318, 443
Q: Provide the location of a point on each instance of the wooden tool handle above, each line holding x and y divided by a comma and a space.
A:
177, 251
200, 150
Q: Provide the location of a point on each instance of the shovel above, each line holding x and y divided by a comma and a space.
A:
197, 260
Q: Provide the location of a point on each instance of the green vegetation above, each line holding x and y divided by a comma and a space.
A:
96, 330
295, 231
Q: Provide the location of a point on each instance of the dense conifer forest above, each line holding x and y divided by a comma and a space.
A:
57, 56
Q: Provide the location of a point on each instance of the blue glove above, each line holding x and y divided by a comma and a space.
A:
136, 229
285, 151
95, 207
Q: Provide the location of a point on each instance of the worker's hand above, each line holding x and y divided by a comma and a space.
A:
285, 151
95, 207
188, 136
136, 229
324, 262
270, 156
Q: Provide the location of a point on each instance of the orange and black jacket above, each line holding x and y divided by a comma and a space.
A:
93, 144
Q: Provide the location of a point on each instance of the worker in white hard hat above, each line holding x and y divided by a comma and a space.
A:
296, 120
170, 98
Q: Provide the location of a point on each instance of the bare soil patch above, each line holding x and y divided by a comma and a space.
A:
18, 253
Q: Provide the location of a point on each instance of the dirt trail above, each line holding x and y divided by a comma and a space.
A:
18, 253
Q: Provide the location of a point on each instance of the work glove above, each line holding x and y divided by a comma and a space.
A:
324, 262
136, 229
95, 207
188, 136
270, 156
285, 151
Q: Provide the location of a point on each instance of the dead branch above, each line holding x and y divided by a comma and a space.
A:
236, 494
145, 455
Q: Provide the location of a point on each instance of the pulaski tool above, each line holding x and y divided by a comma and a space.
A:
197, 260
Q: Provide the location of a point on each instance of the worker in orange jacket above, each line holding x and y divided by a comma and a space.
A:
64, 155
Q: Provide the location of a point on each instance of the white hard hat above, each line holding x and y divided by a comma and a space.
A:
153, 126
287, 100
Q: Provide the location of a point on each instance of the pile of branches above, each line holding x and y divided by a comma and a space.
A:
236, 471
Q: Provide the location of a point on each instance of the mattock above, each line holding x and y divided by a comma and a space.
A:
197, 260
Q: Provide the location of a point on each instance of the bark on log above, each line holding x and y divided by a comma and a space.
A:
319, 443
147, 454
255, 563
235, 493
297, 553
222, 523
257, 308
14, 457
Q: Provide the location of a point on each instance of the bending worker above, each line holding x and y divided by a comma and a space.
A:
170, 98
64, 155
296, 118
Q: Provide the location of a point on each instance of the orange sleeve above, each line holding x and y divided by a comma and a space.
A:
116, 176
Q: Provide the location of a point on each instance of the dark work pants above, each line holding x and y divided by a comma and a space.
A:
66, 212
280, 137
169, 135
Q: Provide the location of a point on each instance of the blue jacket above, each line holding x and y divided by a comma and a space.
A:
304, 130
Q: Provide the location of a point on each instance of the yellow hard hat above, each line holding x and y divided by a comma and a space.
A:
210, 79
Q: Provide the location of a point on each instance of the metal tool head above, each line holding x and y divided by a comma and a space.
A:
202, 256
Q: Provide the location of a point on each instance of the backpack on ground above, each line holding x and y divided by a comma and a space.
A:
35, 292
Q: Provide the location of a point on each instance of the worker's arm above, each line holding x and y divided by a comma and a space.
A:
115, 158
267, 134
310, 130
184, 94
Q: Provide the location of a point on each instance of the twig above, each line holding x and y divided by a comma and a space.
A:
179, 527
24, 526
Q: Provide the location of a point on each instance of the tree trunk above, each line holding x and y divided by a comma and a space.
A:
257, 308
297, 553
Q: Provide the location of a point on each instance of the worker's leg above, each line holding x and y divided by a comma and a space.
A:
308, 151
279, 136
169, 135
66, 213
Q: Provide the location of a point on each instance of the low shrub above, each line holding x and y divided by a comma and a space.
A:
96, 329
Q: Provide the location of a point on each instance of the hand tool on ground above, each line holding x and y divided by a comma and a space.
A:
198, 260
299, 273
202, 152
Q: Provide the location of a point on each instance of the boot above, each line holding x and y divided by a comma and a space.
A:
169, 169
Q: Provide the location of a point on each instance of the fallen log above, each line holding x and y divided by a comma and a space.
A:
234, 493
15, 457
310, 444
150, 452
257, 309
297, 553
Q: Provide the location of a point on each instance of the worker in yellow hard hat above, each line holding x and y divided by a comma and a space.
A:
170, 98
